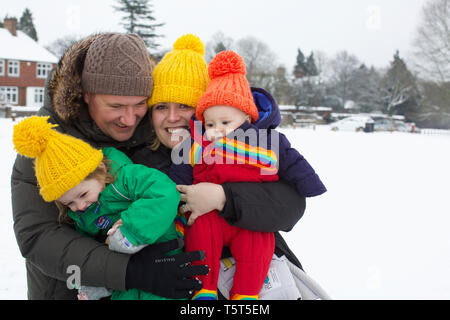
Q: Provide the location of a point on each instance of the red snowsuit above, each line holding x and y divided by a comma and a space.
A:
252, 250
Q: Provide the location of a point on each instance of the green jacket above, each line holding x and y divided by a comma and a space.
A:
145, 199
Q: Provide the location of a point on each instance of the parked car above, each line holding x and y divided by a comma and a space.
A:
406, 126
353, 123
384, 124
387, 124
401, 126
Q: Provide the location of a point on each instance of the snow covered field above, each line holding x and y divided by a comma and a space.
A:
380, 232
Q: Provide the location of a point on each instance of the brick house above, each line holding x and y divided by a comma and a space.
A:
24, 66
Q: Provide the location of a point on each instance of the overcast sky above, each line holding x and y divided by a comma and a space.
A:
370, 29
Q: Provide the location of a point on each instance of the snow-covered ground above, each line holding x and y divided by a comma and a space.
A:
380, 232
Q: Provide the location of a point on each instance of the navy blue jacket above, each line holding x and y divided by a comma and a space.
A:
292, 166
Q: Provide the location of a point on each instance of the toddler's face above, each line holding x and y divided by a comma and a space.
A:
80, 197
221, 120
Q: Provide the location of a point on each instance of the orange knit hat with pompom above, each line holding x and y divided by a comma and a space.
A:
228, 86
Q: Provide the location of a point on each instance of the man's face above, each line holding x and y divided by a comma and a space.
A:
116, 116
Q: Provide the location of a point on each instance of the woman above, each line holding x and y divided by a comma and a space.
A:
179, 80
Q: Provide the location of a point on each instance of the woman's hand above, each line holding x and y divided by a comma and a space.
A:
201, 198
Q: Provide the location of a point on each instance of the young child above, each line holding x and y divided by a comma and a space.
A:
235, 151
99, 189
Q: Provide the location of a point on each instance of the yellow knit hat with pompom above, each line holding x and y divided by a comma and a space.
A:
182, 74
61, 161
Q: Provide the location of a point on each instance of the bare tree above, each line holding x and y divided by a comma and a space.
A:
343, 68
60, 45
259, 59
432, 41
219, 42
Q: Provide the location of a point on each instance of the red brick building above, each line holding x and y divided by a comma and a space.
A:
24, 66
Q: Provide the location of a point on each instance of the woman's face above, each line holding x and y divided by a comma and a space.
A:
170, 121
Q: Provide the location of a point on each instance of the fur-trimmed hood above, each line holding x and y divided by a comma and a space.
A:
64, 87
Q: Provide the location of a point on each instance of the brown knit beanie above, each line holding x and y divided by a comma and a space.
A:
118, 64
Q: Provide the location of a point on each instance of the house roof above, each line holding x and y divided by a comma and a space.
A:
22, 47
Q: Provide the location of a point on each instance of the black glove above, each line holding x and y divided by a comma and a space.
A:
153, 271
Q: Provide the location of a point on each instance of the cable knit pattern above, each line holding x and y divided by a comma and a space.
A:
118, 64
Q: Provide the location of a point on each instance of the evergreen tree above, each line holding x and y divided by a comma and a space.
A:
311, 68
219, 47
138, 19
300, 67
26, 24
399, 87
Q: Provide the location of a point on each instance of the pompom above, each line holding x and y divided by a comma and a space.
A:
190, 42
31, 136
226, 62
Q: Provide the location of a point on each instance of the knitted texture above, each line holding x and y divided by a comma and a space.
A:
236, 296
118, 64
204, 294
61, 161
182, 74
228, 86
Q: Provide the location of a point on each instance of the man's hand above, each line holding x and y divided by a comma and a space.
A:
153, 271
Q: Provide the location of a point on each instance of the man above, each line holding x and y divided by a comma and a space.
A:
97, 93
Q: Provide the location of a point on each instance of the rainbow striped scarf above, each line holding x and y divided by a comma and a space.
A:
233, 151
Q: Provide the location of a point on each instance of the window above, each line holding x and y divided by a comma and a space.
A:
39, 96
2, 67
43, 69
9, 95
13, 68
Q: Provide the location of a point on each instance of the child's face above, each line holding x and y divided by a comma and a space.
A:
221, 120
80, 197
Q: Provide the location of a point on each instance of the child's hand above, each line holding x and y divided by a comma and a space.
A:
113, 230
